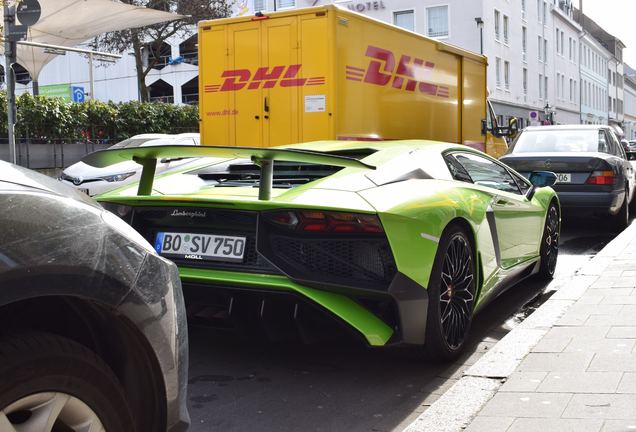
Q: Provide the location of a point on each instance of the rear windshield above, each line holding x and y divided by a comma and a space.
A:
561, 141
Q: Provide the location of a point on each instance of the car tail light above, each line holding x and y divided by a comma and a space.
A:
321, 221
602, 178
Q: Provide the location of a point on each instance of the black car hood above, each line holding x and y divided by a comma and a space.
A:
17, 175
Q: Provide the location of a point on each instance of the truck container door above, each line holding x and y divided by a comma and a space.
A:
316, 57
213, 103
279, 75
244, 60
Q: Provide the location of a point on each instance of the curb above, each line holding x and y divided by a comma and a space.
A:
456, 408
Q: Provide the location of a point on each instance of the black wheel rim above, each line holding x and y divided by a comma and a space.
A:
552, 239
457, 291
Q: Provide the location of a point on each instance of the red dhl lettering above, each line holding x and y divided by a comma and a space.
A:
410, 74
264, 77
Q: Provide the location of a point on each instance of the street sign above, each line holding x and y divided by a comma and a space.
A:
77, 93
17, 32
28, 12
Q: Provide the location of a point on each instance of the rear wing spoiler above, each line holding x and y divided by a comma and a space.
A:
264, 157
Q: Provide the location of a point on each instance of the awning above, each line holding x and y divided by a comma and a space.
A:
71, 22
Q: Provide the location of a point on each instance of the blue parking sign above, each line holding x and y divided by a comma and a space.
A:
77, 94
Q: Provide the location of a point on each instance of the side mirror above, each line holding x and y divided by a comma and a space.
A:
631, 156
542, 178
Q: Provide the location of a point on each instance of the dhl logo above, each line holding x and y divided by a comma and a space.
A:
411, 74
284, 76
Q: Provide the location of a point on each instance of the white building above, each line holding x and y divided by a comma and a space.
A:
567, 75
594, 61
173, 79
630, 104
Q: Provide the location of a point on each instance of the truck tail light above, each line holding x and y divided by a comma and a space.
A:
602, 178
321, 221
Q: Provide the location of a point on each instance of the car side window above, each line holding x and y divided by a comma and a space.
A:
457, 170
617, 145
487, 173
603, 143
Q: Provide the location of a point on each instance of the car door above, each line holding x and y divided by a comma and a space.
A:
616, 149
516, 222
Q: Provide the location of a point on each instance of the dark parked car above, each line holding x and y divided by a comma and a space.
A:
594, 174
92, 324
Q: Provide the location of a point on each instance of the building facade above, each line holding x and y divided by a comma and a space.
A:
594, 62
630, 103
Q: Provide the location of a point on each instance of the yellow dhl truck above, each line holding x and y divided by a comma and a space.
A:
328, 73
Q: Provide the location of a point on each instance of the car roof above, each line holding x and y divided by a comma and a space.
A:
565, 127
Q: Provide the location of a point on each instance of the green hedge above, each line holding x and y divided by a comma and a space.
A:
43, 118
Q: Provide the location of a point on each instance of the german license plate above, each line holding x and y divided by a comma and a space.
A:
200, 246
564, 177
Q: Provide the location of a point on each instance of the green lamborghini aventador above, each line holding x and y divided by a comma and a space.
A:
399, 241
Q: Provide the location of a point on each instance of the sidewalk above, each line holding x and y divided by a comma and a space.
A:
571, 366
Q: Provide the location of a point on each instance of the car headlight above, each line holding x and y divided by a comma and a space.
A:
118, 177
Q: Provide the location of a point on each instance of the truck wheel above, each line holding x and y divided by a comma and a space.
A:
620, 220
51, 383
451, 296
549, 250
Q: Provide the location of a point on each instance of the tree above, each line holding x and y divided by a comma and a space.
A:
146, 42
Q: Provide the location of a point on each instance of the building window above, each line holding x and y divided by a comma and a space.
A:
405, 19
558, 81
570, 49
539, 5
540, 47
497, 37
540, 86
571, 90
563, 87
545, 50
545, 13
259, 5
525, 81
562, 43
545, 90
285, 4
507, 75
498, 71
523, 9
437, 19
524, 43
505, 28
557, 40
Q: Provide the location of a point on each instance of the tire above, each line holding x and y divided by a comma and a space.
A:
451, 294
41, 371
620, 220
549, 250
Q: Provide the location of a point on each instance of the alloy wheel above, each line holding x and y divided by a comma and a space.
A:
552, 238
49, 412
457, 291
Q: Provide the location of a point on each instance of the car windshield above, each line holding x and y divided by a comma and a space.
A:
138, 142
550, 140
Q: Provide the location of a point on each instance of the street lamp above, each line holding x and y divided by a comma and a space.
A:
549, 112
480, 24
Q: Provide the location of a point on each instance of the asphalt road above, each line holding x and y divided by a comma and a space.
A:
237, 384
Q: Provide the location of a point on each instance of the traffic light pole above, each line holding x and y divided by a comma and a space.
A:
10, 59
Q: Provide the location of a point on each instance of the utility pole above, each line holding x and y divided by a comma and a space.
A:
10, 59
